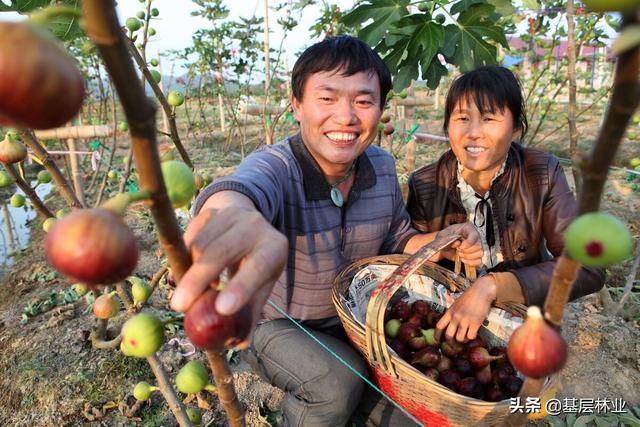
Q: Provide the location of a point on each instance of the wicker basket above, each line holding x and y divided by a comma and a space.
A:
431, 403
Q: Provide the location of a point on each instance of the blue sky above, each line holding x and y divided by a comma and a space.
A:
175, 25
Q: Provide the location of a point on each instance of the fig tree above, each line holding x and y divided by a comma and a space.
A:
180, 183
93, 246
598, 239
41, 86
142, 335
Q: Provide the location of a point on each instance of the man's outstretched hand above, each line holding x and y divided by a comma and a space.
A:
234, 237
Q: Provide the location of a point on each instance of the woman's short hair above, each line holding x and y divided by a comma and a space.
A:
345, 53
492, 88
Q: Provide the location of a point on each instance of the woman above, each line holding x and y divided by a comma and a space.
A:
517, 197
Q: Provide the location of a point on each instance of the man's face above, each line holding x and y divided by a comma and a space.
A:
338, 117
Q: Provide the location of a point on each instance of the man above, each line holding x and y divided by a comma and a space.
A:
315, 203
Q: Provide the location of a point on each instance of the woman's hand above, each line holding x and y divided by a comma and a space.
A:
469, 247
463, 319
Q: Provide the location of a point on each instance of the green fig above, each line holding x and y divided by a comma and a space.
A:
142, 391
140, 290
598, 239
44, 177
192, 378
180, 183
142, 335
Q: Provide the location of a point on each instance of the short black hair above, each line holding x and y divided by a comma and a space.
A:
492, 88
345, 53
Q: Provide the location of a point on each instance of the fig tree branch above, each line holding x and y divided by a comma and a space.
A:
30, 192
163, 102
60, 181
102, 26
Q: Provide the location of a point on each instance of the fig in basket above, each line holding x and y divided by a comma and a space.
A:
401, 310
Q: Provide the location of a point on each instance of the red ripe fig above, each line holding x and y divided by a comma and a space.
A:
452, 348
416, 319
420, 307
511, 386
41, 87
470, 387
106, 306
417, 343
444, 364
476, 342
450, 379
494, 394
463, 367
388, 129
479, 357
408, 331
12, 150
401, 310
431, 373
484, 375
171, 281
428, 356
501, 374
432, 318
535, 348
207, 329
92, 246
399, 347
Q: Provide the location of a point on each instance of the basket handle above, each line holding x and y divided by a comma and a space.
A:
381, 295
469, 270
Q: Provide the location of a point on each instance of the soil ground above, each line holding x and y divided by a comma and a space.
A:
52, 376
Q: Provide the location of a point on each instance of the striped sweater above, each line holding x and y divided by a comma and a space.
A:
287, 186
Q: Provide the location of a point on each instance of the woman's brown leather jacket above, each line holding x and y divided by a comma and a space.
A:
532, 204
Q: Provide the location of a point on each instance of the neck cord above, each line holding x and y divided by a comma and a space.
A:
336, 196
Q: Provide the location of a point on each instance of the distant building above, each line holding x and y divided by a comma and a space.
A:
528, 57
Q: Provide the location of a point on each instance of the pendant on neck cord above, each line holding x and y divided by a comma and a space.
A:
336, 197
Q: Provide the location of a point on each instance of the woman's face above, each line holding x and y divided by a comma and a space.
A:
480, 141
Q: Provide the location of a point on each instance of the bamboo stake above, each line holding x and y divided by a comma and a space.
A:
30, 193
76, 172
79, 132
